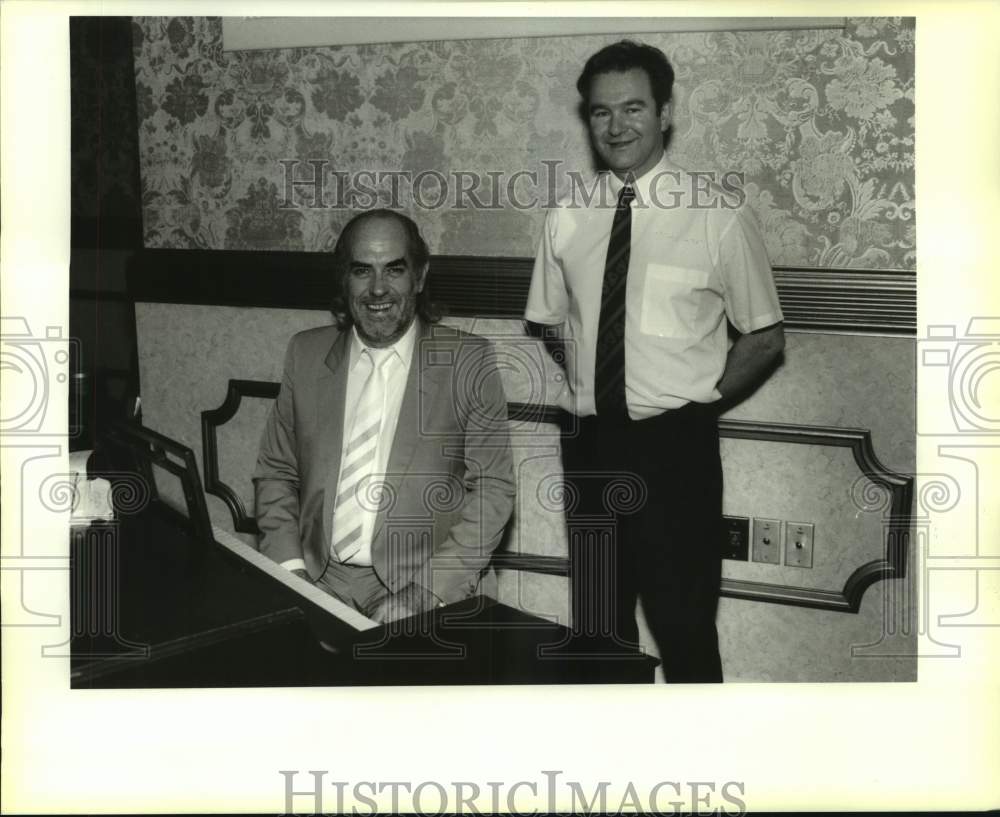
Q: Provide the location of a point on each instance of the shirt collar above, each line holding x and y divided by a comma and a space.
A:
402, 347
644, 184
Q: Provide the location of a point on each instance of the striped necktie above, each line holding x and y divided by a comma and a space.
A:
609, 368
357, 496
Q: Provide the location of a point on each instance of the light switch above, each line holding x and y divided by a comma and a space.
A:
767, 541
799, 542
737, 535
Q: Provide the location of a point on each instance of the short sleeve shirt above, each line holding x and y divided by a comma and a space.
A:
697, 258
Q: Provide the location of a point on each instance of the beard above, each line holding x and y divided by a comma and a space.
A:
385, 328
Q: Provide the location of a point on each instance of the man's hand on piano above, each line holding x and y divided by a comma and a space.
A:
409, 601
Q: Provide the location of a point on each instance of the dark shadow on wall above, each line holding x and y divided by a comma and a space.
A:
106, 224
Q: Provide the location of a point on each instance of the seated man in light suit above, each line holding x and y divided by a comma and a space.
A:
385, 474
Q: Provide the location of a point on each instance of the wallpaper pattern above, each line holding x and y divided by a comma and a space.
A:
819, 122
104, 189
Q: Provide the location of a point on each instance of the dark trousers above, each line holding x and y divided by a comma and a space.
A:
644, 519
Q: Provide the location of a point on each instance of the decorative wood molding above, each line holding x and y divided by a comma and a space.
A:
537, 414
531, 563
848, 300
247, 33
898, 520
291, 280
846, 599
818, 299
210, 421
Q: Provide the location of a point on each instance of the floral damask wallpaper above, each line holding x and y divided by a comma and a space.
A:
819, 122
104, 189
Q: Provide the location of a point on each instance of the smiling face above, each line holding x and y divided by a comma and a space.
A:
625, 127
381, 282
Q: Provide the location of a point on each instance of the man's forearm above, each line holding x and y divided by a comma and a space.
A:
456, 564
750, 359
276, 475
277, 513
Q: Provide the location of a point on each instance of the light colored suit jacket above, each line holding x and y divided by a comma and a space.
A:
450, 484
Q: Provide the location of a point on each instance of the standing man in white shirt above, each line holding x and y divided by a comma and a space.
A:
385, 472
639, 286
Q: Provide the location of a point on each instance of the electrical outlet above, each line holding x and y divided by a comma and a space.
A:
735, 543
767, 541
799, 544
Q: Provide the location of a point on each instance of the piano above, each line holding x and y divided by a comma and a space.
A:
161, 598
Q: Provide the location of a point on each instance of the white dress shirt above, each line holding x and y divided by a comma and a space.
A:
690, 268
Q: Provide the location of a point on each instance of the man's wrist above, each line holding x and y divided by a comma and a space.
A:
293, 564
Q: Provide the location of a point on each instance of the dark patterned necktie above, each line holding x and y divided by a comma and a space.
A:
609, 374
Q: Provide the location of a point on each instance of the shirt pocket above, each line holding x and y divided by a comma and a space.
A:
671, 299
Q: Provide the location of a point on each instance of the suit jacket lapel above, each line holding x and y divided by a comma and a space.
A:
331, 394
422, 387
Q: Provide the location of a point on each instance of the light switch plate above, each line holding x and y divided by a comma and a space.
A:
766, 541
799, 544
735, 545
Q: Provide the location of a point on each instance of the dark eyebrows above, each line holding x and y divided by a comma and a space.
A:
628, 103
396, 262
